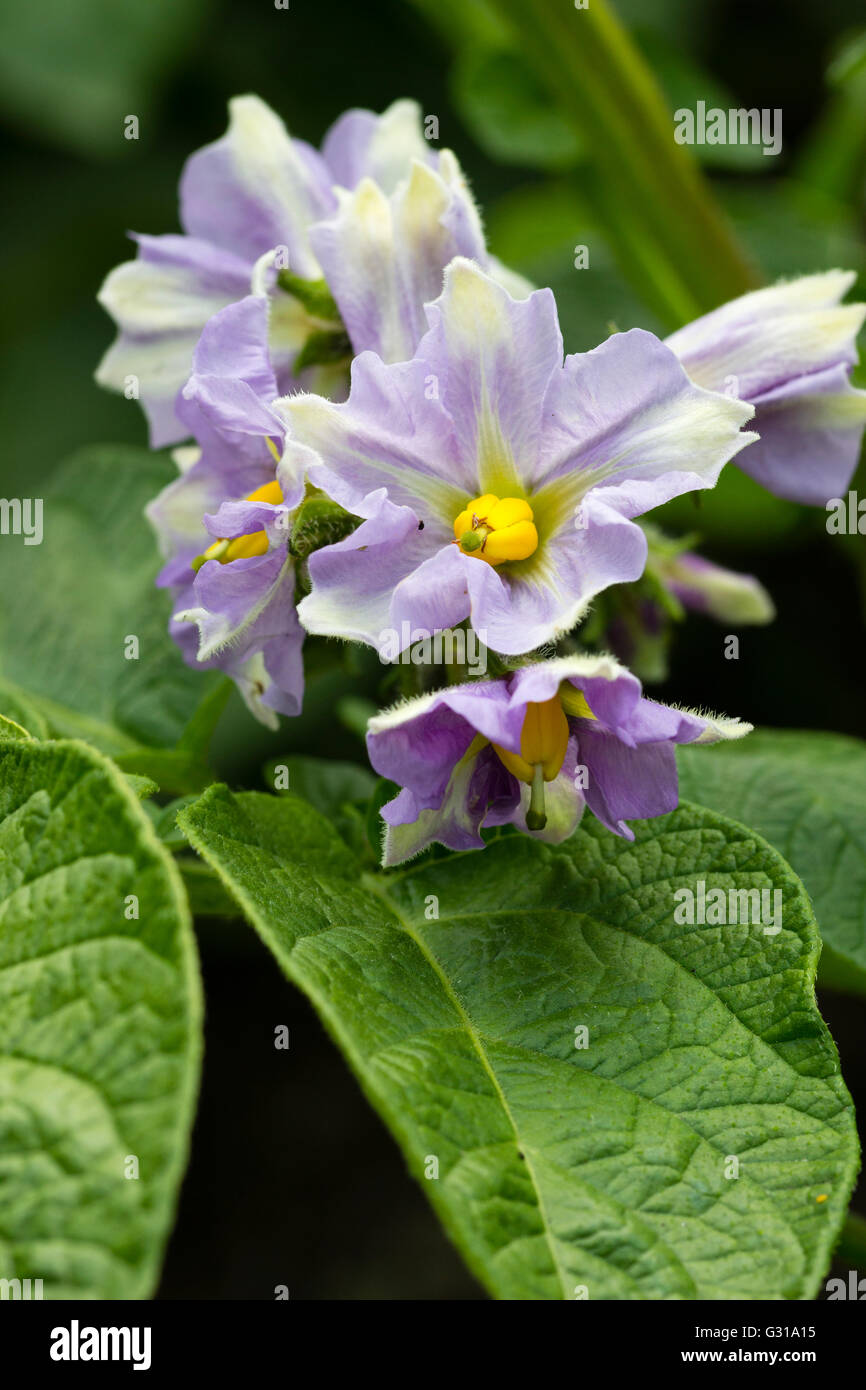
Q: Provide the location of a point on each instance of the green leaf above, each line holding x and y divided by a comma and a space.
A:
164, 820
325, 782
100, 1020
806, 793
799, 230
205, 891
142, 787
15, 706
79, 597
561, 1167
508, 111
173, 770
355, 712
9, 729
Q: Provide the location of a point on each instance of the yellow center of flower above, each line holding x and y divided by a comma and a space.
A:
496, 529
543, 745
243, 547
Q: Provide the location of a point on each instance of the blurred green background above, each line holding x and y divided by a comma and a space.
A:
293, 1180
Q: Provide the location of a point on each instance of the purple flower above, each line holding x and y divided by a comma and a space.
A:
223, 525
377, 212
788, 350
723, 594
532, 750
727, 595
498, 483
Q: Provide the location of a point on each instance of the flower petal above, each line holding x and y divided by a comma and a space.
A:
226, 402
789, 350
492, 358
161, 302
627, 783
384, 258
772, 335
811, 432
390, 433
257, 188
434, 595
382, 147
353, 581
626, 418
524, 605
708, 588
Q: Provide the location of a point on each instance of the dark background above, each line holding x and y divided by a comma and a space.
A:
293, 1180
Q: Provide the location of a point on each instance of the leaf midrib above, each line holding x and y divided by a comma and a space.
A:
475, 1038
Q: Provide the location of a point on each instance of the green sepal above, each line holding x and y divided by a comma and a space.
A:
313, 294
319, 521
323, 348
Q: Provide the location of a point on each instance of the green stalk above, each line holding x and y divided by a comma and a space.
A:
665, 224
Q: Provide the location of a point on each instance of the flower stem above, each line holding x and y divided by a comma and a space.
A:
536, 818
653, 198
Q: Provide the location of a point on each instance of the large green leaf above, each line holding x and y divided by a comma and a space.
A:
806, 792
79, 596
100, 1017
561, 1167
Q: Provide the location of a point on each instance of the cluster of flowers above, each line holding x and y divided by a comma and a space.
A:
355, 368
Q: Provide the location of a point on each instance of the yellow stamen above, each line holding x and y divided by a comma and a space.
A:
268, 492
243, 547
543, 742
496, 530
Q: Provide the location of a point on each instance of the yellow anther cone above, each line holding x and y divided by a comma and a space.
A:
244, 547
543, 742
477, 509
507, 512
268, 492
516, 542
496, 529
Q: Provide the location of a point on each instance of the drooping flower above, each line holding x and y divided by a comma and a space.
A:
531, 749
377, 212
789, 350
726, 595
223, 525
729, 596
497, 482
636, 622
